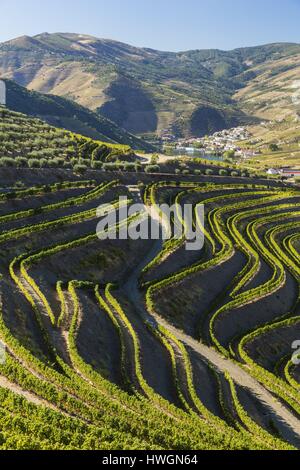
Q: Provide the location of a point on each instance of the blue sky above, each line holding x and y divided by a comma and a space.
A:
161, 24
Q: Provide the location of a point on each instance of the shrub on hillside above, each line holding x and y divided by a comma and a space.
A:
152, 169
138, 167
52, 163
274, 147
34, 163
21, 162
7, 162
60, 161
80, 169
43, 163
111, 166
97, 165
129, 166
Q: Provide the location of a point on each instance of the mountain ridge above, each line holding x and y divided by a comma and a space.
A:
150, 92
39, 37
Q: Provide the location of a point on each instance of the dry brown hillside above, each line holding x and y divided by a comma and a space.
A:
148, 91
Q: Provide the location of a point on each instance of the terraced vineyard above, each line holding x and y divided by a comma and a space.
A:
30, 142
140, 344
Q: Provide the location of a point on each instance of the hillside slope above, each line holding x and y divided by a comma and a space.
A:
63, 113
149, 91
30, 142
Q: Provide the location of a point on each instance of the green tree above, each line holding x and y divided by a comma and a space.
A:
154, 159
273, 147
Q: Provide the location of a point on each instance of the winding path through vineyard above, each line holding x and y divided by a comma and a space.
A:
238, 374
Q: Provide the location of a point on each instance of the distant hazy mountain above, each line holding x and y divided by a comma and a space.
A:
64, 113
149, 91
